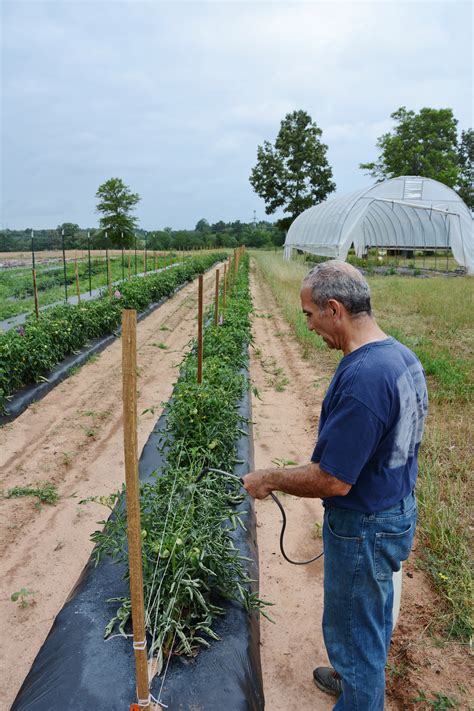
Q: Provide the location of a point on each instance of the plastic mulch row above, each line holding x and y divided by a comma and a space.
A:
77, 670
32, 393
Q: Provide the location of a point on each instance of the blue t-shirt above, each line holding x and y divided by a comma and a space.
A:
371, 425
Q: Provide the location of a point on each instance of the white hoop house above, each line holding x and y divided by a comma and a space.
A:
405, 213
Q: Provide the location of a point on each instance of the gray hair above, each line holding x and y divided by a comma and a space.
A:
340, 281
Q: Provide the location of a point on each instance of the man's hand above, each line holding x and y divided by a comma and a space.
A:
258, 483
307, 480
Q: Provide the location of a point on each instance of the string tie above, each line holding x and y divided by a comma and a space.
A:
139, 645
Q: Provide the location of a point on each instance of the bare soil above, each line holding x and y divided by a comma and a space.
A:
73, 438
285, 426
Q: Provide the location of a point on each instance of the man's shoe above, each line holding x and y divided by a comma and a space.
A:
328, 680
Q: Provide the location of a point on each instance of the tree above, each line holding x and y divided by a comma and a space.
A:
294, 173
70, 232
116, 202
202, 226
466, 167
421, 144
218, 226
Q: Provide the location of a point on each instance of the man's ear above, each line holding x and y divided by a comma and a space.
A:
334, 307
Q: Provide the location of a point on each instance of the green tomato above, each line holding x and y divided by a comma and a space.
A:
195, 552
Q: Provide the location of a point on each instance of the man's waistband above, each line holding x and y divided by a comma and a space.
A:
406, 504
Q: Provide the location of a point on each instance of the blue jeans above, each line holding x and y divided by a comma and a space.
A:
361, 553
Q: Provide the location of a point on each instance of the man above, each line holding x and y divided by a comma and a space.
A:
364, 468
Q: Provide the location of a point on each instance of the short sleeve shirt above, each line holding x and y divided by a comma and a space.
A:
371, 425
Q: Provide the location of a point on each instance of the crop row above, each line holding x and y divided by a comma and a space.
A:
20, 286
190, 561
30, 352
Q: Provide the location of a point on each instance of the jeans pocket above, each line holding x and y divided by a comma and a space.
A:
343, 525
391, 549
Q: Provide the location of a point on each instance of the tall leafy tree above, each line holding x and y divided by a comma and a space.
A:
294, 173
116, 203
70, 233
466, 167
202, 226
423, 143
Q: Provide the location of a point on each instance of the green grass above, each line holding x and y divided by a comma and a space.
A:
439, 702
433, 317
45, 492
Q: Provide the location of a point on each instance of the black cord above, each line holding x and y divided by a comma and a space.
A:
280, 506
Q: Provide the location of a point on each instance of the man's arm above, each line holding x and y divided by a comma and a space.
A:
308, 480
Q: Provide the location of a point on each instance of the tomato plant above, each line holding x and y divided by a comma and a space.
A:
190, 561
29, 353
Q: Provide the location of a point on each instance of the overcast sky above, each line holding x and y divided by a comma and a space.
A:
175, 97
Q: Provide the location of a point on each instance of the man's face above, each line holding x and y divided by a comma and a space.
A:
321, 322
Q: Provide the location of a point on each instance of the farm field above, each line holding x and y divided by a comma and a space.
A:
23, 259
16, 284
73, 438
430, 650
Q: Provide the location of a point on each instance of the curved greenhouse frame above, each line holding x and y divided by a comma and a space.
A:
405, 213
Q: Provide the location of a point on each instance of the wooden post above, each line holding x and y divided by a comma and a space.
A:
154, 261
224, 284
216, 300
129, 384
234, 275
35, 293
109, 275
129, 260
144, 261
199, 344
78, 289
229, 273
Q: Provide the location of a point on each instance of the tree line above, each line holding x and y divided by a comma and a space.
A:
207, 235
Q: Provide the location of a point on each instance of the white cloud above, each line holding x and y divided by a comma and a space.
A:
175, 97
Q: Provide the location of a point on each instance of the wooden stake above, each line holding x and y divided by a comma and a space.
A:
224, 284
129, 258
235, 269
229, 274
216, 300
78, 289
154, 261
144, 261
200, 310
35, 292
109, 276
129, 384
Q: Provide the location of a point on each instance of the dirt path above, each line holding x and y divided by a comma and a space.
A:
285, 424
73, 437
